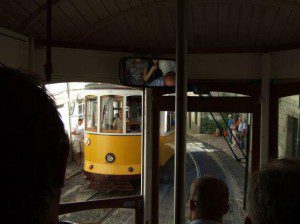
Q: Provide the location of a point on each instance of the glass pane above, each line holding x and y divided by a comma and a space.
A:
208, 153
91, 123
133, 114
111, 114
289, 127
166, 172
216, 146
110, 164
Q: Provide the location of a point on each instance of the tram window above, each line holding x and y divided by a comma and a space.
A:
133, 114
112, 114
91, 121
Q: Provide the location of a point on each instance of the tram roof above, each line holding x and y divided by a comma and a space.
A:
148, 26
104, 86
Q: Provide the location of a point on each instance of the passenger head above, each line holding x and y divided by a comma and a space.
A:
229, 116
80, 120
36, 156
155, 62
209, 198
274, 195
117, 115
169, 79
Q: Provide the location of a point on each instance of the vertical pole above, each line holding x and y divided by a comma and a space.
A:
155, 138
147, 154
265, 108
181, 111
48, 65
247, 166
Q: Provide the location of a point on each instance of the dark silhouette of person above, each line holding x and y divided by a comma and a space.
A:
274, 195
209, 200
35, 152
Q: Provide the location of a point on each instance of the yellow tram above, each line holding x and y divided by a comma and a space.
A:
112, 142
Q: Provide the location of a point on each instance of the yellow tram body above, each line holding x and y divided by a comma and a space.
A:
122, 145
127, 150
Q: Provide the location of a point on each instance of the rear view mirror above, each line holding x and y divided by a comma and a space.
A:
147, 72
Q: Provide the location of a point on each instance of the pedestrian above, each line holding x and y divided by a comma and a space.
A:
234, 130
229, 125
242, 129
78, 136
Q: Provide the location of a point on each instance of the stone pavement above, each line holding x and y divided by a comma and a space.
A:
217, 142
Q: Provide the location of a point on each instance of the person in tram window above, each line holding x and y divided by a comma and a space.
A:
36, 152
167, 80
274, 195
209, 200
153, 72
136, 70
117, 123
78, 136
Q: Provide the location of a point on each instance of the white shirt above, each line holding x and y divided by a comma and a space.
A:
79, 130
204, 221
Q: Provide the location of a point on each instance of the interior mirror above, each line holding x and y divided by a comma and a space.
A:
147, 72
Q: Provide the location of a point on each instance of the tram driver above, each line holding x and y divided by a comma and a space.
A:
117, 123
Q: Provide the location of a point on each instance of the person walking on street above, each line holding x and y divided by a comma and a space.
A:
242, 129
78, 136
229, 125
234, 130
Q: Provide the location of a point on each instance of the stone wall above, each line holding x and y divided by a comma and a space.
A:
288, 106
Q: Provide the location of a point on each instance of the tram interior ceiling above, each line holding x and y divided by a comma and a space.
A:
155, 94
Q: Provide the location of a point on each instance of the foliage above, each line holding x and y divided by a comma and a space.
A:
208, 125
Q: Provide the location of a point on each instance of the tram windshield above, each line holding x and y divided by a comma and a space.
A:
91, 123
133, 114
111, 114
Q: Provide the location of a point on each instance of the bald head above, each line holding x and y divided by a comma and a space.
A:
209, 198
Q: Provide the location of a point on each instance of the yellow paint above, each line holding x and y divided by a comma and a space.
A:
127, 151
167, 147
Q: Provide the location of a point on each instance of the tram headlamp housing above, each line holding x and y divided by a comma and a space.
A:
88, 141
110, 158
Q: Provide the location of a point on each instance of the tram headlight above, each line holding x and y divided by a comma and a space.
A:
88, 141
110, 158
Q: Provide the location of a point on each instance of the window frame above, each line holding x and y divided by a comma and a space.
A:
85, 113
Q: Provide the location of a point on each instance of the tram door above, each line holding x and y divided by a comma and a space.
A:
222, 141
